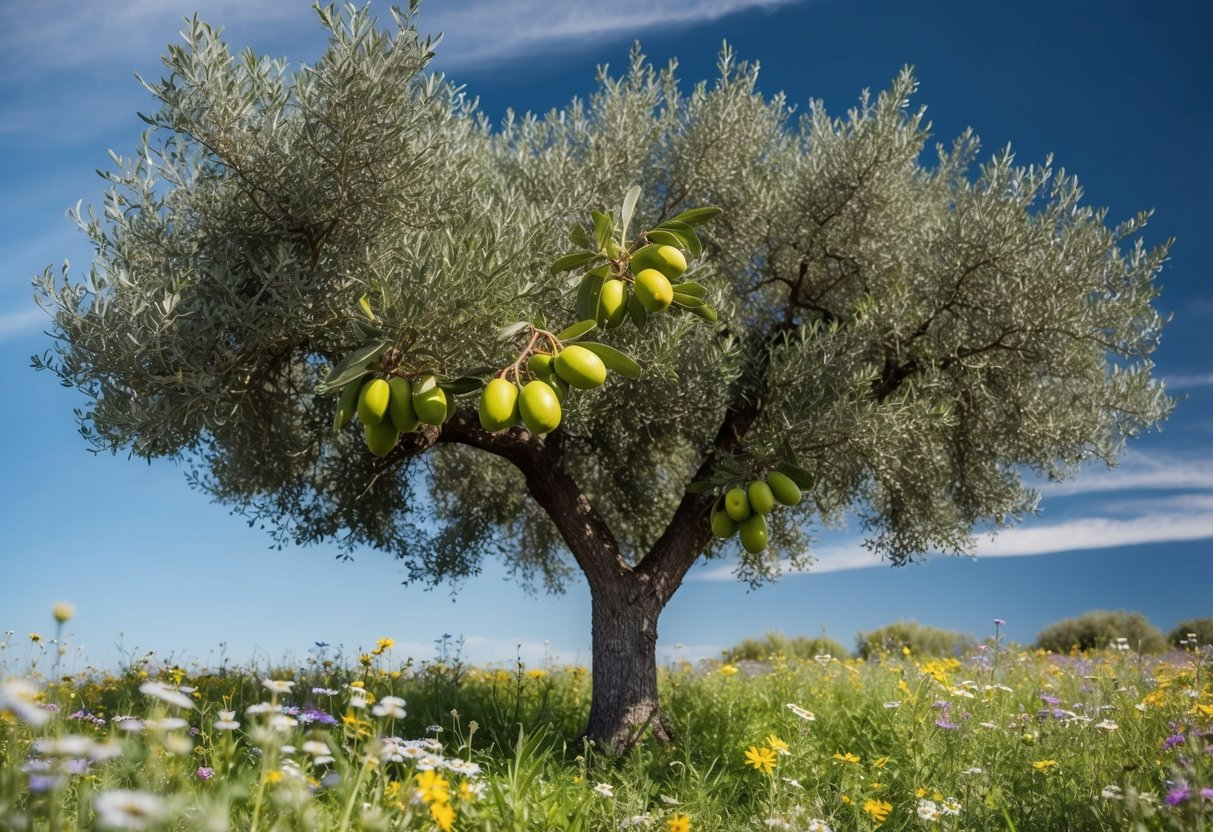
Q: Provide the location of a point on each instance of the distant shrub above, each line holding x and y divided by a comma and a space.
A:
1202, 628
774, 644
921, 639
1099, 629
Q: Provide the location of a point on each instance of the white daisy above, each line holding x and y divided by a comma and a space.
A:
161, 691
818, 825
126, 809
278, 685
69, 745
801, 712
950, 806
391, 707
18, 697
928, 811
605, 790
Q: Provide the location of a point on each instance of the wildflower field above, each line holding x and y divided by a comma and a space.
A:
997, 739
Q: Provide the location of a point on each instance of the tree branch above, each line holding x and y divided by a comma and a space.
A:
540, 459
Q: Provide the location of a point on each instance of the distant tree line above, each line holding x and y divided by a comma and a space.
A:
1093, 630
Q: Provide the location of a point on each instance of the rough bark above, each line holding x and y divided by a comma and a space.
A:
624, 704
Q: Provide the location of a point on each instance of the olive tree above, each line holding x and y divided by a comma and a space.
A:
918, 336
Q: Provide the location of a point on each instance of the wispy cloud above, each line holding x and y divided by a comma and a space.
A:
22, 322
1142, 471
1167, 520
483, 32
1181, 381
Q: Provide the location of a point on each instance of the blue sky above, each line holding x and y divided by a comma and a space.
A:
1116, 92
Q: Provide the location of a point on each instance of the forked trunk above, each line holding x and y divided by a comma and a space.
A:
624, 706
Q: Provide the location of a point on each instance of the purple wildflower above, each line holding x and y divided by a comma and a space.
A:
941, 704
77, 766
944, 723
1207, 794
316, 715
39, 783
1050, 700
204, 773
1172, 741
1177, 795
998, 622
194, 731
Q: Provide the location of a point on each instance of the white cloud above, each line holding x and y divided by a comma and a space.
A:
1168, 520
481, 32
1180, 381
1140, 471
22, 322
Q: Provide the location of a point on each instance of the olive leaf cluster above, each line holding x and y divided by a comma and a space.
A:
918, 333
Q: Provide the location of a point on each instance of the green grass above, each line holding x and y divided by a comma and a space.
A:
1001, 753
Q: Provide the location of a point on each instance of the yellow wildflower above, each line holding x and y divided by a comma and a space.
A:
1041, 765
846, 758
537, 673
678, 823
777, 745
432, 787
878, 809
762, 759
443, 815
881, 763
729, 670
1201, 708
272, 777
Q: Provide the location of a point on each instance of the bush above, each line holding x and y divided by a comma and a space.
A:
921, 639
1099, 629
1202, 628
775, 644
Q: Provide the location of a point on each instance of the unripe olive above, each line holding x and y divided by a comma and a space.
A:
753, 531
761, 498
373, 400
400, 406
737, 504
539, 407
580, 368
723, 526
498, 405
540, 365
783, 489
429, 400
380, 436
665, 259
653, 290
613, 305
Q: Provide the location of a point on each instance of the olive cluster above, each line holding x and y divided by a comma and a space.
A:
536, 404
743, 509
388, 407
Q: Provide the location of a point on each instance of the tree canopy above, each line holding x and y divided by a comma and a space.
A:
919, 330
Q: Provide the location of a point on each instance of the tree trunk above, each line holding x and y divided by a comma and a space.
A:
623, 705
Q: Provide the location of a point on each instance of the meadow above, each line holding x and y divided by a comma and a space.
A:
999, 738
